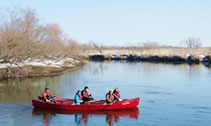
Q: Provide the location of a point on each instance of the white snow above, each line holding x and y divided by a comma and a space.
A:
44, 63
5, 65
202, 56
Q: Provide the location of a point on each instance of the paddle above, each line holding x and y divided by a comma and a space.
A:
117, 97
93, 100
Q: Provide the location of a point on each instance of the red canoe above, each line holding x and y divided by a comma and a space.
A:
68, 104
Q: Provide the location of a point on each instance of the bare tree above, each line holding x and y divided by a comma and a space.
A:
19, 36
193, 42
96, 46
23, 37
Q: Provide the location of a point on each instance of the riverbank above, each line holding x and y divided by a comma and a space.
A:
33, 68
49, 67
163, 55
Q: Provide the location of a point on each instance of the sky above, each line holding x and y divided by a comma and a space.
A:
125, 22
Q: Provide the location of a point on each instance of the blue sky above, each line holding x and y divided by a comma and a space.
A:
120, 22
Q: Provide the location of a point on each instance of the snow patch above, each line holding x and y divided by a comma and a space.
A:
67, 62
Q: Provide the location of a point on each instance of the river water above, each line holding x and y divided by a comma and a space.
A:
176, 95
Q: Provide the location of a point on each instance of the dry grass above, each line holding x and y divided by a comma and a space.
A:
183, 52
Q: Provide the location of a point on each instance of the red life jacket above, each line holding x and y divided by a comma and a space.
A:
45, 94
117, 94
86, 94
111, 97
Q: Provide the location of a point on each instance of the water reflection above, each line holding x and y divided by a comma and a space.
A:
81, 117
207, 64
23, 90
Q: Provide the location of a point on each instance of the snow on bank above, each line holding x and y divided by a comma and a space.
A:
67, 62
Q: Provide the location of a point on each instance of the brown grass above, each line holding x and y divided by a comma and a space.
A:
159, 51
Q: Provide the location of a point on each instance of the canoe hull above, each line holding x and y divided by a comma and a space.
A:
68, 104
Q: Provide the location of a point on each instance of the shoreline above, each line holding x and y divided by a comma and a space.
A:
152, 58
30, 69
154, 55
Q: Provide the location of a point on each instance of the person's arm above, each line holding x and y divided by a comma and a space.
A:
80, 101
90, 94
51, 94
76, 99
117, 97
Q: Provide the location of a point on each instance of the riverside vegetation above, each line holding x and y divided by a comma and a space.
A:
31, 48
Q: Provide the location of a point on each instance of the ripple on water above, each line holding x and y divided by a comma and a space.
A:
158, 92
202, 109
150, 101
197, 109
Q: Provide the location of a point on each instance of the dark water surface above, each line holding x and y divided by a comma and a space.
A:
176, 95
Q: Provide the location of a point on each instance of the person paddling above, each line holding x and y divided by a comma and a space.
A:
48, 96
110, 97
116, 94
77, 98
85, 95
